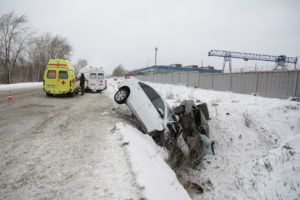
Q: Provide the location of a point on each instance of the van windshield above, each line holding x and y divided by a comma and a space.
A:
63, 75
51, 74
100, 76
93, 76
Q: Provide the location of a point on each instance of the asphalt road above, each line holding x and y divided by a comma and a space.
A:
62, 148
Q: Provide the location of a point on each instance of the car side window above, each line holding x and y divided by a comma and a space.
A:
63, 75
155, 99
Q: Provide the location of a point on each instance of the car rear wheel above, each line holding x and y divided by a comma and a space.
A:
121, 95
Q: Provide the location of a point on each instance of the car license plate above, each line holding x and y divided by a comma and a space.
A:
92, 84
50, 86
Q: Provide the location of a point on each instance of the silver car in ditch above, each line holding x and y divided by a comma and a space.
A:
146, 104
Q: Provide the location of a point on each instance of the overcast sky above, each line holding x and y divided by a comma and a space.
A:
112, 32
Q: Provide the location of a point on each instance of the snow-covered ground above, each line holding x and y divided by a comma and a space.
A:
20, 85
257, 145
257, 148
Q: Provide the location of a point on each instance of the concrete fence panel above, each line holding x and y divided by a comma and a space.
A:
152, 78
297, 85
183, 78
155, 78
277, 84
139, 77
222, 82
244, 83
164, 78
206, 81
193, 79
169, 78
149, 77
176, 77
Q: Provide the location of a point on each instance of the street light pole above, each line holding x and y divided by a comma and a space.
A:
155, 69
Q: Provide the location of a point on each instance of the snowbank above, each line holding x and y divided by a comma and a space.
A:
20, 85
148, 164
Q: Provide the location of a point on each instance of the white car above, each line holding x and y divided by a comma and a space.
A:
149, 108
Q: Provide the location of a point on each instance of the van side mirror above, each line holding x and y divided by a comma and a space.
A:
161, 112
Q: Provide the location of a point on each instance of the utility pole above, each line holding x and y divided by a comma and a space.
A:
155, 58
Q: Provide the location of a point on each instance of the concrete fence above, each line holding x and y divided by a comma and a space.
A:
278, 84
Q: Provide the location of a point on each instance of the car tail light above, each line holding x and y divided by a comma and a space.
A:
100, 81
127, 77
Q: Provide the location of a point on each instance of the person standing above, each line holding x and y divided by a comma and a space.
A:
82, 82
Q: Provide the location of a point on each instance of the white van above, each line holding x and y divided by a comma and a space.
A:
95, 79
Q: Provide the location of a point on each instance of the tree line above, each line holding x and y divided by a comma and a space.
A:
24, 54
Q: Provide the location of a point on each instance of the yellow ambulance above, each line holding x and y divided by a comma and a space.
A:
60, 78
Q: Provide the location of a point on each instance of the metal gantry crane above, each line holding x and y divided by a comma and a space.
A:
280, 61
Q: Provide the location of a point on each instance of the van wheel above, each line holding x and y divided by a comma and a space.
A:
49, 94
71, 94
121, 95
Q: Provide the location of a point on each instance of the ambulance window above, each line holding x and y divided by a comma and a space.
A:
100, 76
51, 74
93, 76
63, 75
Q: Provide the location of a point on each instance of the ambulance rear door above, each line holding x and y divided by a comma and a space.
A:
63, 80
51, 79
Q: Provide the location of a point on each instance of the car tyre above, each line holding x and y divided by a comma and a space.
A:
121, 95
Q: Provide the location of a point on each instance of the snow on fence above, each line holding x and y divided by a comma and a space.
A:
277, 84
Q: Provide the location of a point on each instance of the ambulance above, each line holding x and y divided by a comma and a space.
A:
95, 79
60, 78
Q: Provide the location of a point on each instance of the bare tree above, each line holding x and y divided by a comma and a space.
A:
14, 37
80, 64
44, 48
119, 71
60, 48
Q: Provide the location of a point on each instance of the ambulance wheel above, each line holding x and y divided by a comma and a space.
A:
71, 94
49, 94
121, 95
